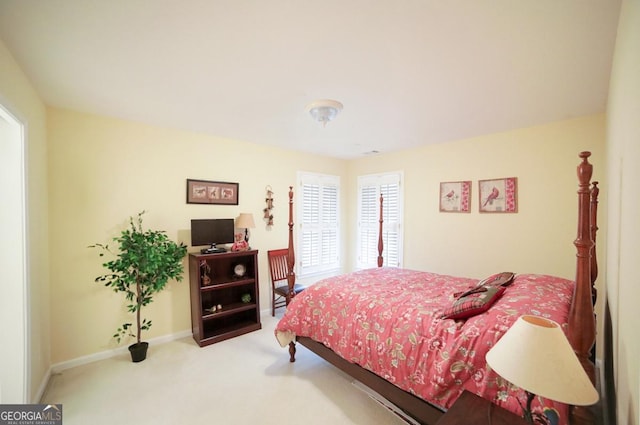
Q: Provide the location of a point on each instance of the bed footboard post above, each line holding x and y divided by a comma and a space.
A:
292, 351
582, 326
595, 191
380, 242
291, 257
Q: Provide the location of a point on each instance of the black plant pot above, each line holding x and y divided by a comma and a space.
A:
138, 351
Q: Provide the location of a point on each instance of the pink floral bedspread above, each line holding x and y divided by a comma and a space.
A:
388, 320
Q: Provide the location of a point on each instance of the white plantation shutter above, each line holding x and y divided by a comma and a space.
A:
391, 226
369, 189
368, 226
318, 212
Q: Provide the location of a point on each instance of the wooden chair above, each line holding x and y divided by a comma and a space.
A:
279, 284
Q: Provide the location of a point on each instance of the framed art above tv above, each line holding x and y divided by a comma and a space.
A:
212, 192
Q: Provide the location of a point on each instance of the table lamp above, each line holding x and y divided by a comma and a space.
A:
245, 221
535, 355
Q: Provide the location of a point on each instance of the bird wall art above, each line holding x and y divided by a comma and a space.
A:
455, 196
498, 195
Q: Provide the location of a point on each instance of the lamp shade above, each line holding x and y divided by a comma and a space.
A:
535, 355
245, 221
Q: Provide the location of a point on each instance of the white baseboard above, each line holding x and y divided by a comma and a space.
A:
265, 312
42, 388
58, 367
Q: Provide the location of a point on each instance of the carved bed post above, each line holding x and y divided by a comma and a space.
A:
291, 274
380, 243
582, 323
291, 257
595, 191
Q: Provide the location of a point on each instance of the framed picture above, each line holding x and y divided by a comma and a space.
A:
209, 192
498, 195
455, 196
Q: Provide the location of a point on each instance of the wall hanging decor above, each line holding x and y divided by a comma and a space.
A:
210, 192
455, 196
268, 216
498, 195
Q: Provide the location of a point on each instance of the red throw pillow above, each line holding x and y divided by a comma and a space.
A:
498, 279
474, 303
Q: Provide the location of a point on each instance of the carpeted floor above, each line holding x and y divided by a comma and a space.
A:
244, 380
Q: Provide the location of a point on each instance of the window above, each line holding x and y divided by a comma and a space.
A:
370, 188
318, 215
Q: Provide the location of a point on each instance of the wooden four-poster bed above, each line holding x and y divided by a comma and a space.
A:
569, 303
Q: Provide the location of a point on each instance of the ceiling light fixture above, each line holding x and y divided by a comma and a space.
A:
324, 110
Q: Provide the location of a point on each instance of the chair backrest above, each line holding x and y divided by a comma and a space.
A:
278, 264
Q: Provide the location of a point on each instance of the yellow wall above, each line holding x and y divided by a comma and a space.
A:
538, 239
18, 96
623, 153
104, 170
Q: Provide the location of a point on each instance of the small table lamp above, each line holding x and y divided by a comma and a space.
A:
245, 221
535, 355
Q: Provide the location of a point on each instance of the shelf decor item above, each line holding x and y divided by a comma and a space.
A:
205, 270
144, 262
239, 270
245, 221
211, 192
240, 243
455, 196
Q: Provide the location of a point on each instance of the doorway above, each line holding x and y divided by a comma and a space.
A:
13, 284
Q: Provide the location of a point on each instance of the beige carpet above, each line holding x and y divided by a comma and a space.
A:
244, 380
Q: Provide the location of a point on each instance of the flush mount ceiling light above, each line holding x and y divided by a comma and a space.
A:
324, 110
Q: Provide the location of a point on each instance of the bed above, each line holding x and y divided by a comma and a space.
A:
385, 326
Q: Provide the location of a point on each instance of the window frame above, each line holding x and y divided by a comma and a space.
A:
391, 226
325, 265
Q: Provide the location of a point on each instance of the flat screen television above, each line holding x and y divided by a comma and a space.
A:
212, 232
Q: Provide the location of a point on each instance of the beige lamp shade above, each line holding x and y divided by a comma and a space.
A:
245, 221
535, 355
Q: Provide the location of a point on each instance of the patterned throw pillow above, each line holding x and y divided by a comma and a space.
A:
478, 299
474, 303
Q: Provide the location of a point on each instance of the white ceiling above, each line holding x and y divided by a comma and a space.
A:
409, 72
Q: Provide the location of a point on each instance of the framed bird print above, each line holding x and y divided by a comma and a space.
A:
498, 195
455, 196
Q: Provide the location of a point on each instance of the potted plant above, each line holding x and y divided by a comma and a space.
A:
146, 260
